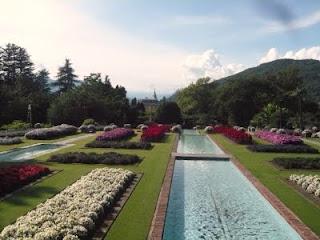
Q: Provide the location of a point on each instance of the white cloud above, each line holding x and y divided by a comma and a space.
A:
200, 20
271, 55
52, 30
304, 53
294, 24
208, 64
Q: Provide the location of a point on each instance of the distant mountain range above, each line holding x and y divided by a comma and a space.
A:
309, 70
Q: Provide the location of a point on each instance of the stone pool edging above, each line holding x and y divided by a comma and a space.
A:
304, 231
159, 217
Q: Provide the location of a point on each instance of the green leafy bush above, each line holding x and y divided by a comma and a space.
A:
89, 121
94, 158
283, 148
298, 163
119, 144
16, 125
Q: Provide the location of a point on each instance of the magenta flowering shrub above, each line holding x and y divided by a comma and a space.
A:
276, 138
116, 134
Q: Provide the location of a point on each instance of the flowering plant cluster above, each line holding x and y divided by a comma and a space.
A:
115, 134
235, 135
154, 133
52, 132
73, 213
310, 184
10, 140
16, 176
276, 138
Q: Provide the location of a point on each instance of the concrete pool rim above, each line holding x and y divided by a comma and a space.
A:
158, 222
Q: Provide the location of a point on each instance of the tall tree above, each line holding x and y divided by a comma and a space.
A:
15, 64
66, 78
42, 80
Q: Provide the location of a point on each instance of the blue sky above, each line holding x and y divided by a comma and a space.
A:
233, 28
162, 45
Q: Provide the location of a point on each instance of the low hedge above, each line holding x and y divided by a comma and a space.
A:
94, 158
52, 132
119, 144
298, 163
10, 140
284, 148
13, 133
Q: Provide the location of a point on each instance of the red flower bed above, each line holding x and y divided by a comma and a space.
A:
16, 176
233, 134
154, 133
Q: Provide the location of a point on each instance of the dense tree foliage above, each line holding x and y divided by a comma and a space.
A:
168, 113
21, 85
95, 99
276, 100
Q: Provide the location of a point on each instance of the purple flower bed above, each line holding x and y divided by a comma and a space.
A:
276, 138
115, 134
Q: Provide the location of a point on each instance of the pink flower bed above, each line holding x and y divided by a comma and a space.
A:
276, 138
116, 134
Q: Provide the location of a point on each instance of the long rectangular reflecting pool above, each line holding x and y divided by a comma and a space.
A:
29, 152
212, 199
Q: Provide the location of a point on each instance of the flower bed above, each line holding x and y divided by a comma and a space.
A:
119, 144
12, 133
75, 212
235, 135
15, 176
10, 140
298, 163
284, 148
94, 158
154, 133
116, 134
310, 184
276, 138
52, 132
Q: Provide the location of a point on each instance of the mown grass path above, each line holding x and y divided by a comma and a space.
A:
134, 220
276, 180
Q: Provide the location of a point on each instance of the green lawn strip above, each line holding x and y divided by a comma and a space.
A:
257, 140
140, 206
27, 142
134, 220
275, 179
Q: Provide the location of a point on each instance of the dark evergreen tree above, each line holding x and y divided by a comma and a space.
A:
66, 78
168, 112
42, 80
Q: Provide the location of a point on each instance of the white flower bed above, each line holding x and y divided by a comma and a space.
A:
310, 184
73, 213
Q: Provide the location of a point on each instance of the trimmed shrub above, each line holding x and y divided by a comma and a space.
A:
283, 148
298, 163
20, 133
53, 132
37, 125
94, 158
116, 134
121, 144
10, 140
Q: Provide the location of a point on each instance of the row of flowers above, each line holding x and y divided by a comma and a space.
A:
309, 183
116, 134
73, 213
15, 176
52, 132
235, 135
277, 138
154, 133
